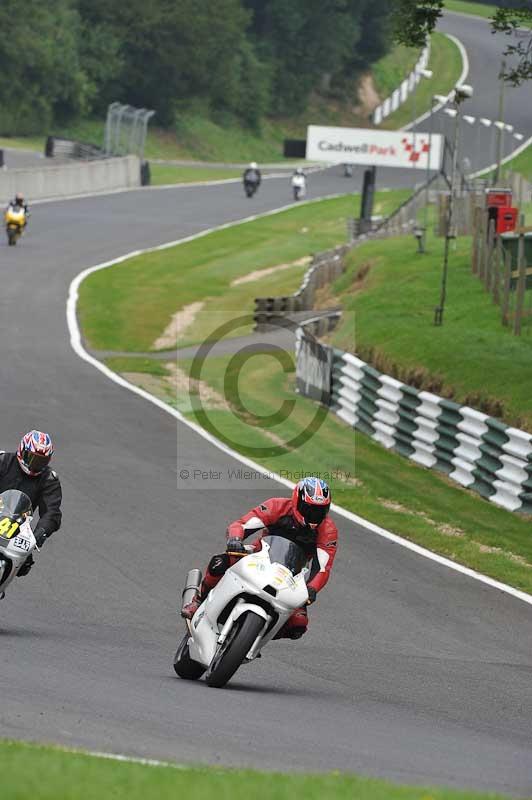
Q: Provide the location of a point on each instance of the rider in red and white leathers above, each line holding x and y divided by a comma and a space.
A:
302, 519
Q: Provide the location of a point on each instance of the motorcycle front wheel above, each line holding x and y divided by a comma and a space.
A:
184, 666
12, 237
233, 651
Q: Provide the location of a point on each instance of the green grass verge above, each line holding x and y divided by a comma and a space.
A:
57, 774
521, 164
162, 174
381, 486
391, 292
128, 306
476, 9
23, 143
446, 65
393, 68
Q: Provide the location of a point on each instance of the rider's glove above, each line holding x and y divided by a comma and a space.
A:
235, 545
40, 536
311, 595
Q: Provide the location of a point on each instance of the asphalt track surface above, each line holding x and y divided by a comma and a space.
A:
410, 670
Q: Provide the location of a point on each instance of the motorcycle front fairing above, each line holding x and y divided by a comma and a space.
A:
15, 216
17, 541
278, 591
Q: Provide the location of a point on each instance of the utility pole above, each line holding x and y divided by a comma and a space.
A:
501, 127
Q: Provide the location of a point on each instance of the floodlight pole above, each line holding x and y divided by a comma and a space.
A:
427, 177
460, 94
501, 127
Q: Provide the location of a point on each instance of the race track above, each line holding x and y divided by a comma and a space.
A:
410, 670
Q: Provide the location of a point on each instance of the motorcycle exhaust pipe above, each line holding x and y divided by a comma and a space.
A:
192, 585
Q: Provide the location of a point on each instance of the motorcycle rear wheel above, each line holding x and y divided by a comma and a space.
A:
184, 666
233, 651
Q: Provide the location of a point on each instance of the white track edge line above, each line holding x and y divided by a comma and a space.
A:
144, 762
77, 346
461, 79
509, 157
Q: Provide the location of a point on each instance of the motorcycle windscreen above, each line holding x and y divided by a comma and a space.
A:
15, 504
283, 551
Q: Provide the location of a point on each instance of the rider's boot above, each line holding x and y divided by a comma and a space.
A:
188, 610
295, 626
26, 566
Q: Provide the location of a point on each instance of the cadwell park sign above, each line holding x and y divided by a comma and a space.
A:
374, 148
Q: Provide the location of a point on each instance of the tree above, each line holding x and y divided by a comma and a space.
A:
508, 21
413, 20
42, 77
312, 43
172, 50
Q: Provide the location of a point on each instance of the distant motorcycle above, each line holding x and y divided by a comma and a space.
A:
251, 179
243, 612
299, 186
15, 219
250, 187
17, 541
348, 170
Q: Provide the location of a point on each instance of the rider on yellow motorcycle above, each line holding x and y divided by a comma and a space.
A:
18, 202
16, 218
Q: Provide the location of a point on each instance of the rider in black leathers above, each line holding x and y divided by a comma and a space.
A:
44, 490
252, 177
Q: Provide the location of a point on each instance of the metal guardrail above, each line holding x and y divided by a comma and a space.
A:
56, 147
324, 268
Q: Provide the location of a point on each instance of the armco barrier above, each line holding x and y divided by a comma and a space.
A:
324, 268
398, 97
69, 148
477, 451
62, 180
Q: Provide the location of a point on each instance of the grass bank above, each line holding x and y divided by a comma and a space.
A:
128, 306
390, 293
521, 164
163, 174
393, 68
476, 9
72, 775
446, 65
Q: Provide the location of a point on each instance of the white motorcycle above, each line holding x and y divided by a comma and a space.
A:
243, 612
299, 186
17, 541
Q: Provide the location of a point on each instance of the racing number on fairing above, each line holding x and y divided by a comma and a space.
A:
8, 528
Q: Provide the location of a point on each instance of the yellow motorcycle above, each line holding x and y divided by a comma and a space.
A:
15, 219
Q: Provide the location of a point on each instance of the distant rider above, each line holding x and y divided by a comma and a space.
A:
302, 518
28, 471
19, 203
298, 182
252, 176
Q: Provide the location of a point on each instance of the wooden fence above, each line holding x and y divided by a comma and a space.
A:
504, 265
